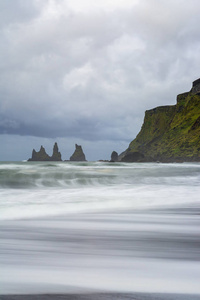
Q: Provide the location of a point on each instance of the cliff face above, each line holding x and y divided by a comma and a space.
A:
43, 156
169, 133
78, 154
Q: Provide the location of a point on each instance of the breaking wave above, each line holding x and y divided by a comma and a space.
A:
30, 189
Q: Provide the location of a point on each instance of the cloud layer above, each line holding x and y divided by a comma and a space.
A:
89, 70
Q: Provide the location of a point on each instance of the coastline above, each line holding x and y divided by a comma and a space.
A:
103, 296
100, 232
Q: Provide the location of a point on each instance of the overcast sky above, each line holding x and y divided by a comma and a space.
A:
85, 71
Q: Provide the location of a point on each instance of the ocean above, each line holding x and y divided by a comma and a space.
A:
121, 230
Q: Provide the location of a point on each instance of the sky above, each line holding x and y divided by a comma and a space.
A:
85, 71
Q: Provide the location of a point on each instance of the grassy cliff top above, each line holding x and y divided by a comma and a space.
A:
169, 133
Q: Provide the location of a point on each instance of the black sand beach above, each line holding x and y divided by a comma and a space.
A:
102, 296
103, 256
140, 241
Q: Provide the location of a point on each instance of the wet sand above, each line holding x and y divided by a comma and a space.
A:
145, 255
102, 296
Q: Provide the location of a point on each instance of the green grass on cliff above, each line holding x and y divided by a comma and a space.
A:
171, 132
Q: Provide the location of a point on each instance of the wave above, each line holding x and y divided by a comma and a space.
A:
52, 175
76, 175
41, 189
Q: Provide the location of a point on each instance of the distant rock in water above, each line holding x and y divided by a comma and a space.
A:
78, 154
169, 133
40, 155
114, 156
43, 156
56, 154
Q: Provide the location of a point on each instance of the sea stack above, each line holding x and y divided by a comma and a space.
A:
114, 157
41, 155
56, 156
78, 154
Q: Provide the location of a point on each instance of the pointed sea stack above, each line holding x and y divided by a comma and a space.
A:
40, 155
43, 156
56, 156
78, 154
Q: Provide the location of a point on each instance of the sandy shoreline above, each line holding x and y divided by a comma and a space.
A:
102, 296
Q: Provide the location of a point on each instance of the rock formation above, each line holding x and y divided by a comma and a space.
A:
169, 133
56, 156
40, 155
43, 156
196, 87
114, 157
78, 154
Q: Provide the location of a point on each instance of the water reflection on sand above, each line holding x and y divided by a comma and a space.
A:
141, 251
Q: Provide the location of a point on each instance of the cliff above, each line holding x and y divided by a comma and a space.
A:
78, 154
169, 133
41, 155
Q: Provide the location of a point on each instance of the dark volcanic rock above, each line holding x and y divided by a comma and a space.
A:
43, 156
78, 154
169, 133
114, 156
196, 87
40, 155
133, 157
56, 154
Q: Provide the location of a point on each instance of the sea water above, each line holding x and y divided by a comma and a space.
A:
96, 226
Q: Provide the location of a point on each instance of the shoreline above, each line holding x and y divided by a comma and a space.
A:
102, 296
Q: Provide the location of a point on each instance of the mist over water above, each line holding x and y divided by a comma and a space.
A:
43, 189
73, 227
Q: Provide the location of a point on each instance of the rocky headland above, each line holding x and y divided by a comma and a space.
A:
169, 133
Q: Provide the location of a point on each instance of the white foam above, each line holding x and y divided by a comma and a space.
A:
59, 188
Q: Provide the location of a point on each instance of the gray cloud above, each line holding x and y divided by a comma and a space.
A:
89, 72
18, 11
